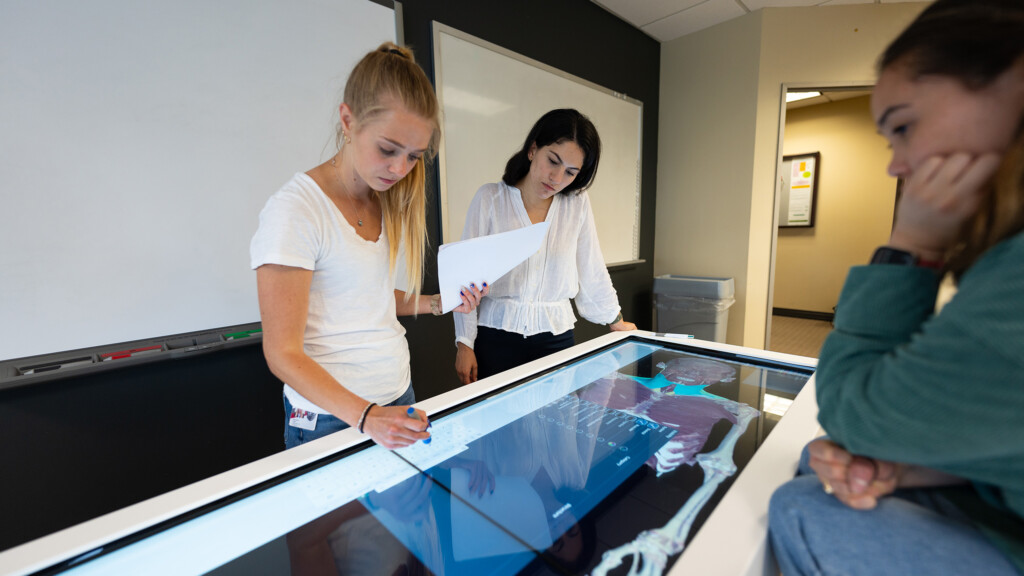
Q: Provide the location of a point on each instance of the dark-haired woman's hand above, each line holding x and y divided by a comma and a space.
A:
471, 298
622, 326
465, 364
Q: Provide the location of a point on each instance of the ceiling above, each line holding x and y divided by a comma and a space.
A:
666, 20
827, 96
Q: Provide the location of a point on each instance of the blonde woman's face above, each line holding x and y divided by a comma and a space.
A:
937, 116
386, 148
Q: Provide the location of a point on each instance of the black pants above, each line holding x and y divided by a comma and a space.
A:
498, 350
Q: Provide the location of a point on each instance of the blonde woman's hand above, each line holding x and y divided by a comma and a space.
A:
392, 427
938, 198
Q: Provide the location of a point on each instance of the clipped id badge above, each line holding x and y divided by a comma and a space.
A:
303, 419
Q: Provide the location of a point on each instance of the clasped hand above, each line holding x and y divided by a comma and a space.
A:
857, 481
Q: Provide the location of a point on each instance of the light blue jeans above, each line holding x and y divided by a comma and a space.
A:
910, 532
326, 423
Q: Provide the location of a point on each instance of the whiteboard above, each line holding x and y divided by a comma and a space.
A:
491, 98
140, 141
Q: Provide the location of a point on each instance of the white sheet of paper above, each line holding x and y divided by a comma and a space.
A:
483, 259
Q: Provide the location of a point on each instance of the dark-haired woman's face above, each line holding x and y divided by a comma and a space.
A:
938, 116
553, 167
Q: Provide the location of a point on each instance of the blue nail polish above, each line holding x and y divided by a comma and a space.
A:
485, 284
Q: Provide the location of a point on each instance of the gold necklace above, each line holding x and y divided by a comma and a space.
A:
351, 198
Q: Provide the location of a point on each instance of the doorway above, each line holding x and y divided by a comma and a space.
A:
852, 213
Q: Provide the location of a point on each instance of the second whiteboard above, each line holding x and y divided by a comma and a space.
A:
491, 97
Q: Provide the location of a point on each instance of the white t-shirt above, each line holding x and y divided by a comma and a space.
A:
534, 296
352, 329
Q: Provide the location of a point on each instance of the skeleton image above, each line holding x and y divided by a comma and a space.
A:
676, 398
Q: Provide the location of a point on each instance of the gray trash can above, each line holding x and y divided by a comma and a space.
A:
695, 305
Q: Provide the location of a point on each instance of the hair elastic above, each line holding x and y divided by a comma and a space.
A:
362, 418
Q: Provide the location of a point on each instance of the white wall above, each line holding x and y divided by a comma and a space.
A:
720, 101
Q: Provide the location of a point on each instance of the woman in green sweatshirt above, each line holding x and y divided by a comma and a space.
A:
923, 468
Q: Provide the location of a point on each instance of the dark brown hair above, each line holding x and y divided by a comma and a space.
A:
557, 126
974, 42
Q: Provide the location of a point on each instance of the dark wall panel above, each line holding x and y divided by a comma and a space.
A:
80, 447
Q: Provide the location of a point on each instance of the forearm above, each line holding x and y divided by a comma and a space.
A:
921, 477
311, 380
414, 305
466, 328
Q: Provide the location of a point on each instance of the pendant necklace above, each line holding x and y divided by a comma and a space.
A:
351, 199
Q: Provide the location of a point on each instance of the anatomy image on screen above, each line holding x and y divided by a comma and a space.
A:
676, 398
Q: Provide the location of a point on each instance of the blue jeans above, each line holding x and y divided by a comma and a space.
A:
326, 423
909, 532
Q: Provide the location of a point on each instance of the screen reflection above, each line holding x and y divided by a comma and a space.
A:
608, 464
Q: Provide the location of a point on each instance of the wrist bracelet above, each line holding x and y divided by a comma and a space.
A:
617, 319
435, 305
362, 418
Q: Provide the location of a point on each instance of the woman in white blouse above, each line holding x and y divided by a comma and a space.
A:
527, 314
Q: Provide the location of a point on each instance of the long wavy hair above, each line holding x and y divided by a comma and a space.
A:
974, 42
386, 75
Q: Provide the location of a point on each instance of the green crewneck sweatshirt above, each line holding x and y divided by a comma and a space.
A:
897, 382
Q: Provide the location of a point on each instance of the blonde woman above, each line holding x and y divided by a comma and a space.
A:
326, 255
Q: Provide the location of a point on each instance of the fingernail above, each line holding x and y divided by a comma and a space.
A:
461, 293
485, 284
472, 285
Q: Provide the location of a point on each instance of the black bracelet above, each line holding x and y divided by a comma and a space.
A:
362, 418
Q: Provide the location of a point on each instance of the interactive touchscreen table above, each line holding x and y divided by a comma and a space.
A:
607, 458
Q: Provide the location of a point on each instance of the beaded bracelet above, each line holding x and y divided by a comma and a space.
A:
362, 418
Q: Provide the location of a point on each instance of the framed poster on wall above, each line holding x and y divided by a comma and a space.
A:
799, 190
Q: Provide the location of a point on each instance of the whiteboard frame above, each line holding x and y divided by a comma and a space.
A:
442, 159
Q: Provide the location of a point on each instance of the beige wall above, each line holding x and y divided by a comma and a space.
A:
718, 145
854, 204
705, 145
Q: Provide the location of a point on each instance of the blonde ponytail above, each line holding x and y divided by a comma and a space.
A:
387, 75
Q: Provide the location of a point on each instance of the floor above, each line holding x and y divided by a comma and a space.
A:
798, 336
